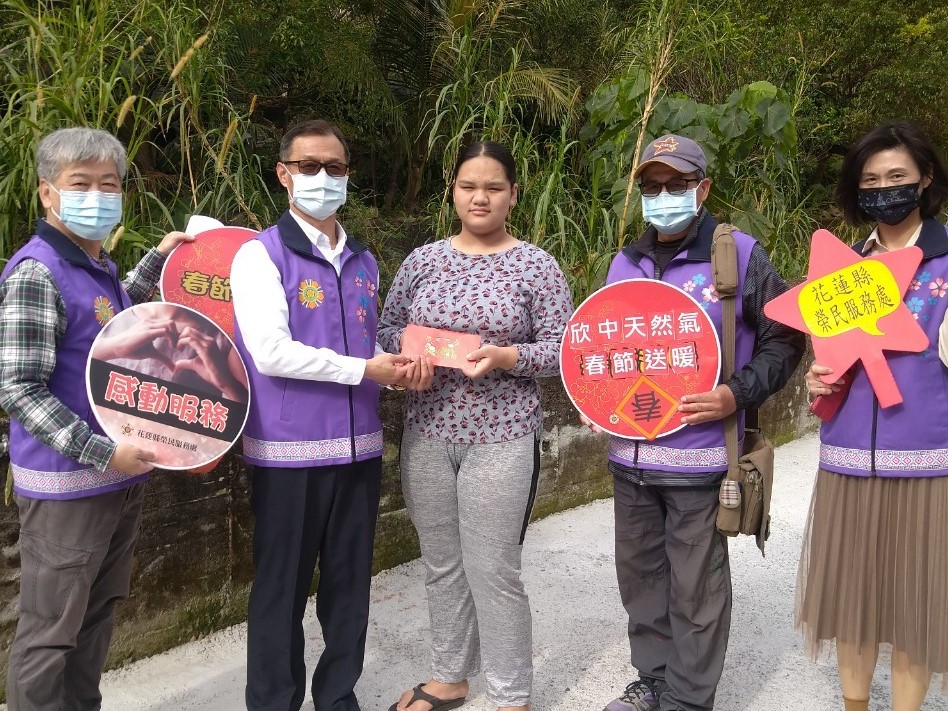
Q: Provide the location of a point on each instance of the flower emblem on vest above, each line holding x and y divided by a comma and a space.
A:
311, 293
915, 305
939, 286
694, 283
920, 279
710, 296
104, 310
362, 312
362, 280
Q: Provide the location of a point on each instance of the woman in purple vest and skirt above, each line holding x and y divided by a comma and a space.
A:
874, 566
470, 450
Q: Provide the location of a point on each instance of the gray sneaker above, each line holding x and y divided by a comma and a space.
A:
640, 695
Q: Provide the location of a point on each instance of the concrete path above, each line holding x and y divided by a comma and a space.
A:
580, 648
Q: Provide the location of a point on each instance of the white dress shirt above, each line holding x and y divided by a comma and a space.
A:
874, 242
262, 313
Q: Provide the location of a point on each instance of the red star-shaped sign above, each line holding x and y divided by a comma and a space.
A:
852, 307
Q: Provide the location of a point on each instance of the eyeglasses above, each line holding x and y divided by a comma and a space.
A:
312, 167
677, 186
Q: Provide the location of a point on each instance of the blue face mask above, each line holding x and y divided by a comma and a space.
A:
320, 195
670, 214
90, 214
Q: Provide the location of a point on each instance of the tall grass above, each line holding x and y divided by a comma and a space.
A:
559, 207
142, 70
156, 74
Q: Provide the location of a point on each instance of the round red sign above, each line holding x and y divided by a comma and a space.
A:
632, 350
197, 274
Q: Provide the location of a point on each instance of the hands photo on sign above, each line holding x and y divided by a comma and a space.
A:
139, 342
176, 340
213, 362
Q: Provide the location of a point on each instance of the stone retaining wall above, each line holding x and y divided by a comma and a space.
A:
193, 568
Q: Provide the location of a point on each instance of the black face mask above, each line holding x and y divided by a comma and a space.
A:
889, 205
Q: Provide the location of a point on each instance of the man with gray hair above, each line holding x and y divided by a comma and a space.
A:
79, 494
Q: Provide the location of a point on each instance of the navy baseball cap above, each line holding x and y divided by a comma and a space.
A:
677, 152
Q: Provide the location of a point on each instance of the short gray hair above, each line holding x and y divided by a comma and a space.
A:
76, 145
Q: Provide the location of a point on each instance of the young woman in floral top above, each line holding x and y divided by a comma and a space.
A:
470, 453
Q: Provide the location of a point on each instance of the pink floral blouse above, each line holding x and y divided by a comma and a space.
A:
516, 297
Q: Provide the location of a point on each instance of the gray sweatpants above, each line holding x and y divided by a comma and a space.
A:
470, 504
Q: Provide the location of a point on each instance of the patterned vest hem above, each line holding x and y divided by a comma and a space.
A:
76, 484
889, 462
667, 459
314, 452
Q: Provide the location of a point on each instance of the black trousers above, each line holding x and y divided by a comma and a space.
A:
304, 515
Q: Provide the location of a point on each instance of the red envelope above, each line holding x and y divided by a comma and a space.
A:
445, 348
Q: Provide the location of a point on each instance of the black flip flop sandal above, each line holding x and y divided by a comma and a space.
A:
436, 703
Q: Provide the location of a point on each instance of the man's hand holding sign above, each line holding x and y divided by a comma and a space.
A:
707, 407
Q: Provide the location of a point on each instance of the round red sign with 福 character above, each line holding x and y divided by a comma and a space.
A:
197, 274
632, 350
168, 380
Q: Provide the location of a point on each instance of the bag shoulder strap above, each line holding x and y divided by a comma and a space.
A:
725, 273
726, 278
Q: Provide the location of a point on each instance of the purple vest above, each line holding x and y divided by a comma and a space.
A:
694, 449
91, 297
906, 440
304, 423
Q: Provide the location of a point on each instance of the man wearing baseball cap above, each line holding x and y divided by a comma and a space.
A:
672, 564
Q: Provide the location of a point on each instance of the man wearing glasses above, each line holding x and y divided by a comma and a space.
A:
672, 564
305, 300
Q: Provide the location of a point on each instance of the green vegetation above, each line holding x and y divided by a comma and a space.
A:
146, 72
200, 93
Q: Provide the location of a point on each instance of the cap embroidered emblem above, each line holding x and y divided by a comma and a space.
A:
104, 311
311, 293
669, 145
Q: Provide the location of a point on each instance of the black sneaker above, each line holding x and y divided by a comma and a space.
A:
640, 695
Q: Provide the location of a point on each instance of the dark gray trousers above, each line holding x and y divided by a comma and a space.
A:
75, 565
675, 582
